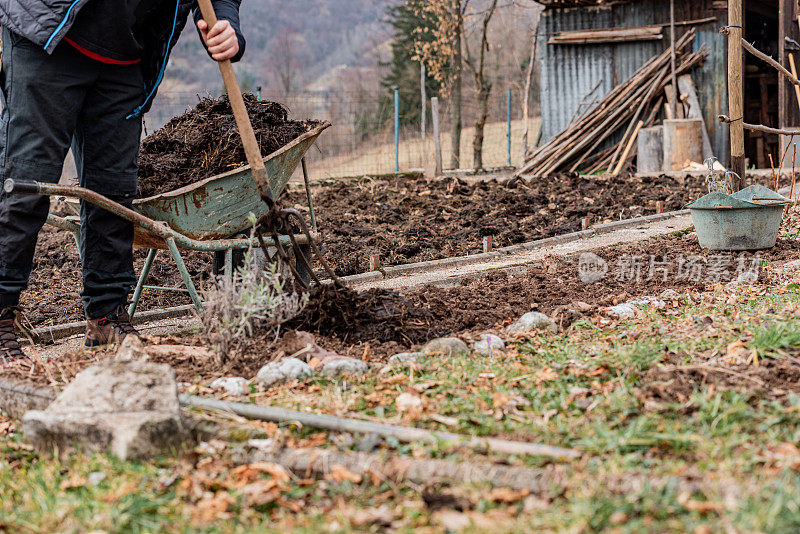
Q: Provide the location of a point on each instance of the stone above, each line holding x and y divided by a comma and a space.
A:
622, 311
531, 322
488, 345
344, 366
407, 401
405, 358
131, 349
282, 371
302, 345
128, 407
648, 301
96, 477
669, 294
448, 346
369, 443
232, 385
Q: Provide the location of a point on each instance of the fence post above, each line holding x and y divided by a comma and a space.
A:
396, 129
437, 137
508, 113
424, 95
258, 93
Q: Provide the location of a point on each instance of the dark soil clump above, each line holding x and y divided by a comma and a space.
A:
204, 142
379, 315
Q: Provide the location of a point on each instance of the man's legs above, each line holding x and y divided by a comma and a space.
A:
106, 149
42, 96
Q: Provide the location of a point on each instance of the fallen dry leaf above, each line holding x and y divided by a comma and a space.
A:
546, 375
500, 399
341, 474
75, 481
507, 495
208, 510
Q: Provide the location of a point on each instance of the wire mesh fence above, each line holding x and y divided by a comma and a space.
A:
368, 138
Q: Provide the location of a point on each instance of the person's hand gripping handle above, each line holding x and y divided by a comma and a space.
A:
251, 148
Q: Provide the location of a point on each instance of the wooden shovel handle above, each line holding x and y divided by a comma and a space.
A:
251, 148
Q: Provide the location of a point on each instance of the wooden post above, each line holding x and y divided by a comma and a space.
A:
526, 97
736, 91
487, 244
793, 66
437, 135
375, 262
628, 148
586, 223
424, 94
673, 77
660, 206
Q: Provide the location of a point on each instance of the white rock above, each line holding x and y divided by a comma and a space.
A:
96, 477
488, 344
648, 301
670, 294
405, 358
532, 321
407, 401
622, 311
232, 385
282, 371
128, 407
344, 366
445, 345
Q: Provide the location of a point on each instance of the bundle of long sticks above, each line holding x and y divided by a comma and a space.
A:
581, 146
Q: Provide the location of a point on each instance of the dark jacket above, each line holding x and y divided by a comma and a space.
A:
46, 22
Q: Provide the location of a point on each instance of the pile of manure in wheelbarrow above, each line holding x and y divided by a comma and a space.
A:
204, 142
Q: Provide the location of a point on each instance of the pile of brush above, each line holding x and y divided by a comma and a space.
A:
582, 147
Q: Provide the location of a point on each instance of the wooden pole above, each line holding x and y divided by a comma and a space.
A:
437, 135
424, 94
628, 148
794, 73
736, 91
527, 95
673, 76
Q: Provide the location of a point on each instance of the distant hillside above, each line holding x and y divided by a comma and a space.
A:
305, 39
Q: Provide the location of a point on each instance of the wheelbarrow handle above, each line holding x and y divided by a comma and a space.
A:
24, 188
251, 146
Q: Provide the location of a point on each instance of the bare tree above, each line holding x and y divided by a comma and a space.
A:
483, 86
286, 61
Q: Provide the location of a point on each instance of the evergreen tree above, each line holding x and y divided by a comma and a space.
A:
404, 71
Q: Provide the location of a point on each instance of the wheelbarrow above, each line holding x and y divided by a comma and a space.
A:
205, 216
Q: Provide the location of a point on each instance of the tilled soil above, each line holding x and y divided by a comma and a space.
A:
390, 322
404, 220
408, 220
204, 142
552, 287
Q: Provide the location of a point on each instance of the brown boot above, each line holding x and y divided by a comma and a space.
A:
111, 329
10, 349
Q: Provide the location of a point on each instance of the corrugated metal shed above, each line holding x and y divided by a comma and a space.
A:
570, 71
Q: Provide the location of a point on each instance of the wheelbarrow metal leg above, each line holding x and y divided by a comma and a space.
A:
148, 266
187, 279
229, 263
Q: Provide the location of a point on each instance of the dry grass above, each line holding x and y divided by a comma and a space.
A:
379, 158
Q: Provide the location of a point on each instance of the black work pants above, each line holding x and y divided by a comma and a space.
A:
49, 103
